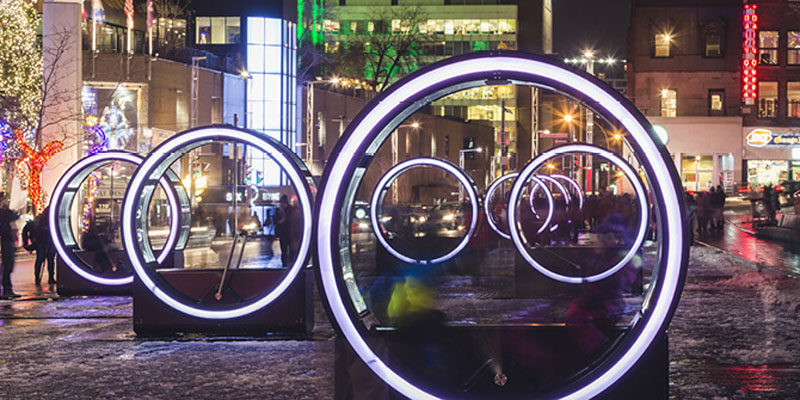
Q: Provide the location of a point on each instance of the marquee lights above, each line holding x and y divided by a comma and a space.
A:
61, 207
140, 191
391, 176
749, 54
380, 117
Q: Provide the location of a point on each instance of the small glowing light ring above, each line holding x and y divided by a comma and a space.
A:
556, 183
536, 183
487, 203
383, 186
399, 101
60, 210
158, 162
575, 184
532, 167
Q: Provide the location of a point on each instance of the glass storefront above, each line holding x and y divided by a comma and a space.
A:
697, 172
767, 172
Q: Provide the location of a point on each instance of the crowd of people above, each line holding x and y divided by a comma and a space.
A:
704, 211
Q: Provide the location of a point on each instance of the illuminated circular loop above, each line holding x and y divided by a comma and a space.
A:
386, 181
376, 122
61, 207
140, 190
575, 184
493, 188
532, 167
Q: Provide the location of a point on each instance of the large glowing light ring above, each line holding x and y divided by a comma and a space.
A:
493, 188
386, 181
575, 184
141, 188
61, 207
532, 167
381, 116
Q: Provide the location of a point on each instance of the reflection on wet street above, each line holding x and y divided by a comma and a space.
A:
737, 237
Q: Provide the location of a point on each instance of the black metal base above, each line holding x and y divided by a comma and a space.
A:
291, 314
72, 284
541, 357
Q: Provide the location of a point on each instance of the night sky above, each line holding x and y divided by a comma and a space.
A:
601, 24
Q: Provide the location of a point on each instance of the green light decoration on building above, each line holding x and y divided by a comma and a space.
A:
309, 27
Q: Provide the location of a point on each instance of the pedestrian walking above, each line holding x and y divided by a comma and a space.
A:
7, 248
282, 230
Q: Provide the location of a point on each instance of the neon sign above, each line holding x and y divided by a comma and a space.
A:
749, 52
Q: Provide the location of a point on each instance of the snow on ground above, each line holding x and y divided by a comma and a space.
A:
736, 331
735, 335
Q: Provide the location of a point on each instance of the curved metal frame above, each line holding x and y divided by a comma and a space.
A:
61, 206
140, 190
381, 116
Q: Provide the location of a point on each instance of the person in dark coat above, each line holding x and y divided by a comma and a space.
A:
7, 248
45, 251
282, 230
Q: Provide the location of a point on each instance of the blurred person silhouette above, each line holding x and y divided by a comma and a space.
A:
7, 248
45, 251
282, 229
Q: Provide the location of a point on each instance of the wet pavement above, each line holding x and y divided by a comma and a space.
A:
737, 237
734, 336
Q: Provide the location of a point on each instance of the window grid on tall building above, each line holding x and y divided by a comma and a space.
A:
669, 103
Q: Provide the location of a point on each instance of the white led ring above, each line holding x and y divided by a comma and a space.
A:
575, 184
61, 205
386, 181
158, 162
395, 104
533, 165
493, 187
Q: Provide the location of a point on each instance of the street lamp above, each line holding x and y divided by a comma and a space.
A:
309, 143
461, 153
396, 152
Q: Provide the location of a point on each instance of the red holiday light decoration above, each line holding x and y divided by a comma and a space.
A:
749, 55
34, 162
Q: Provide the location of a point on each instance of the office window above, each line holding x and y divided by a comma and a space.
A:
793, 48
712, 40
767, 99
669, 103
768, 47
217, 30
716, 102
793, 99
662, 45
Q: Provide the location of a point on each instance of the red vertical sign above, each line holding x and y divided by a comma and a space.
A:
749, 54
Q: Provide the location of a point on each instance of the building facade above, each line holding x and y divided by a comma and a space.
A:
721, 78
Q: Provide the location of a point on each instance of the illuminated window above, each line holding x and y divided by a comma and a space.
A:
768, 47
767, 99
712, 39
662, 45
217, 30
716, 102
793, 48
669, 103
331, 26
793, 99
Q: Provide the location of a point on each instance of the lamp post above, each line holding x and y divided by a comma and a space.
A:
396, 152
461, 153
309, 143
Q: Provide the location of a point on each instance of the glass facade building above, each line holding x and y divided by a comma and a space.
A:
271, 89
